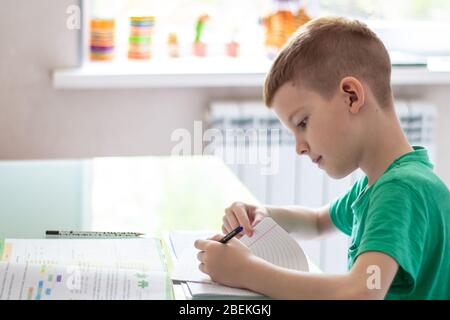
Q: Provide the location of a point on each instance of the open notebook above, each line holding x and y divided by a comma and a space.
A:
269, 242
69, 269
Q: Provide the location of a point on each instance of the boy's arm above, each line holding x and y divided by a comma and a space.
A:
307, 223
370, 278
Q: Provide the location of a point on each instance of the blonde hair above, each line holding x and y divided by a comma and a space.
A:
324, 51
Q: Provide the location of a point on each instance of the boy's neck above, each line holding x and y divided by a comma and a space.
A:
386, 142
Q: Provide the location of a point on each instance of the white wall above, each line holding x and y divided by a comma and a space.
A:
37, 121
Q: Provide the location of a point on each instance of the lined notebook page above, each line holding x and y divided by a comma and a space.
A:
272, 243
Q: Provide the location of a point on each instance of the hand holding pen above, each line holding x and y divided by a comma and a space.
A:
224, 260
230, 235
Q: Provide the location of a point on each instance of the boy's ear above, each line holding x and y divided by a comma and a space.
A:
353, 92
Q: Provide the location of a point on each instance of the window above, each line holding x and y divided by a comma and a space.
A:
241, 21
228, 20
414, 26
388, 10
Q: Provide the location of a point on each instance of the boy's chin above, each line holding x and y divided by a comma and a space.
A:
337, 174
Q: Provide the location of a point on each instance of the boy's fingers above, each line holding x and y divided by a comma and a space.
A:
202, 268
200, 244
231, 219
227, 227
200, 256
242, 217
224, 230
256, 221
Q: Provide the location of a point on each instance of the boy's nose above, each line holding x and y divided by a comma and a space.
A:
301, 148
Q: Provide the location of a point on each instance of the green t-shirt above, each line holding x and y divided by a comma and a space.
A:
405, 214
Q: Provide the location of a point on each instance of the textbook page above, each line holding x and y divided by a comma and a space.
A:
269, 242
139, 254
24, 281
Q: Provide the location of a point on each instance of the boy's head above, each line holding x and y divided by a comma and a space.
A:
325, 85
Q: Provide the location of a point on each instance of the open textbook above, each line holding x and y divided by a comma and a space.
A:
68, 269
269, 242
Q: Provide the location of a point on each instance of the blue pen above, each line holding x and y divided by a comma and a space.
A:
231, 234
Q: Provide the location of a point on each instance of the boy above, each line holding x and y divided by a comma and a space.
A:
330, 85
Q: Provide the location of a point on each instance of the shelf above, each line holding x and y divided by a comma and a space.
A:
202, 73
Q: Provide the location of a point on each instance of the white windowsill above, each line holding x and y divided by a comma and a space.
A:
202, 73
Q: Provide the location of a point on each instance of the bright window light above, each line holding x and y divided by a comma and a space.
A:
176, 25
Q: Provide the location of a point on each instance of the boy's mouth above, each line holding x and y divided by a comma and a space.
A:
317, 160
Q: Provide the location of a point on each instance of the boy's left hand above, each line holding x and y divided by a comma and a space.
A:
224, 263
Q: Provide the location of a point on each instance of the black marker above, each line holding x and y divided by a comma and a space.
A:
231, 234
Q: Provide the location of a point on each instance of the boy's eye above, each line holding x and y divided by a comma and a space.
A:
303, 123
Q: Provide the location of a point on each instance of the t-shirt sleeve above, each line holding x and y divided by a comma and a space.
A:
341, 213
396, 225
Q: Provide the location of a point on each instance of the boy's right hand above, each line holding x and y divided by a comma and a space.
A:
245, 215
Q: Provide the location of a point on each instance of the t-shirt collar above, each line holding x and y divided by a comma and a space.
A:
419, 154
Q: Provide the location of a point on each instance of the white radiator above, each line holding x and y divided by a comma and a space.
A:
289, 179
